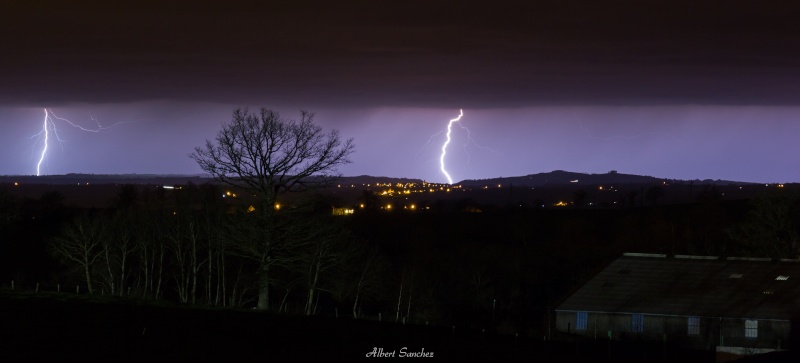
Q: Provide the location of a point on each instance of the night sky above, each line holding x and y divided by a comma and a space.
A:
673, 89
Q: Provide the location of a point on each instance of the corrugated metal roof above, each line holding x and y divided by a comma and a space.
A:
692, 286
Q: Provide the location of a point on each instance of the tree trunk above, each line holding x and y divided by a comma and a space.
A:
145, 262
355, 307
283, 305
110, 277
313, 285
266, 258
410, 291
400, 297
263, 288
195, 267
222, 276
362, 281
88, 278
160, 271
124, 251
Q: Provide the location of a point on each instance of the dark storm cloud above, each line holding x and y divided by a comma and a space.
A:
410, 53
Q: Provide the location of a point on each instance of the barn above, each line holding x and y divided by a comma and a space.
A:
732, 305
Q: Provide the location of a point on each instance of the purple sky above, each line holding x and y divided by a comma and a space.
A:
675, 89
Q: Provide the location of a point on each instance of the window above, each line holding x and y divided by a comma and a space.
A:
581, 322
751, 328
637, 323
694, 325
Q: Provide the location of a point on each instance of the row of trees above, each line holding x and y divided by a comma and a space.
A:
193, 248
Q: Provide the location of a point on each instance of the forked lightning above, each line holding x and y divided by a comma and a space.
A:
48, 125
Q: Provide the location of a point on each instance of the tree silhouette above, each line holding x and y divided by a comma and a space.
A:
771, 228
268, 156
81, 244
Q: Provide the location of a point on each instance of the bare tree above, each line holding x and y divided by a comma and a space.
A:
117, 246
371, 269
151, 240
184, 243
268, 156
326, 251
81, 244
771, 228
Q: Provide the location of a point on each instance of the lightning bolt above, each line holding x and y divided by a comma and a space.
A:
46, 137
444, 146
49, 124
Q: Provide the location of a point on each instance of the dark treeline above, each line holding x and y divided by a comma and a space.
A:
502, 270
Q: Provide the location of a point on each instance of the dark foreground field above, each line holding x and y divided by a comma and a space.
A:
54, 327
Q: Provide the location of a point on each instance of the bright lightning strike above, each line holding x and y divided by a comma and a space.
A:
44, 149
48, 125
444, 146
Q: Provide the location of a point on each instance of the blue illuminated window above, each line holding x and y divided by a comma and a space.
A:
751, 328
637, 323
582, 320
694, 325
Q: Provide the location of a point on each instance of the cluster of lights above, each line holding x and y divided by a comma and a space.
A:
343, 211
410, 188
377, 185
422, 185
498, 185
388, 207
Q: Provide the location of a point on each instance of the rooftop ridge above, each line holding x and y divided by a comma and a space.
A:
694, 257
651, 255
697, 257
759, 259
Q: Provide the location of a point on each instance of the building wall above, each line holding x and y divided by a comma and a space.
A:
675, 330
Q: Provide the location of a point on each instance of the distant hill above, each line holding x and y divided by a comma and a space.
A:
561, 177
